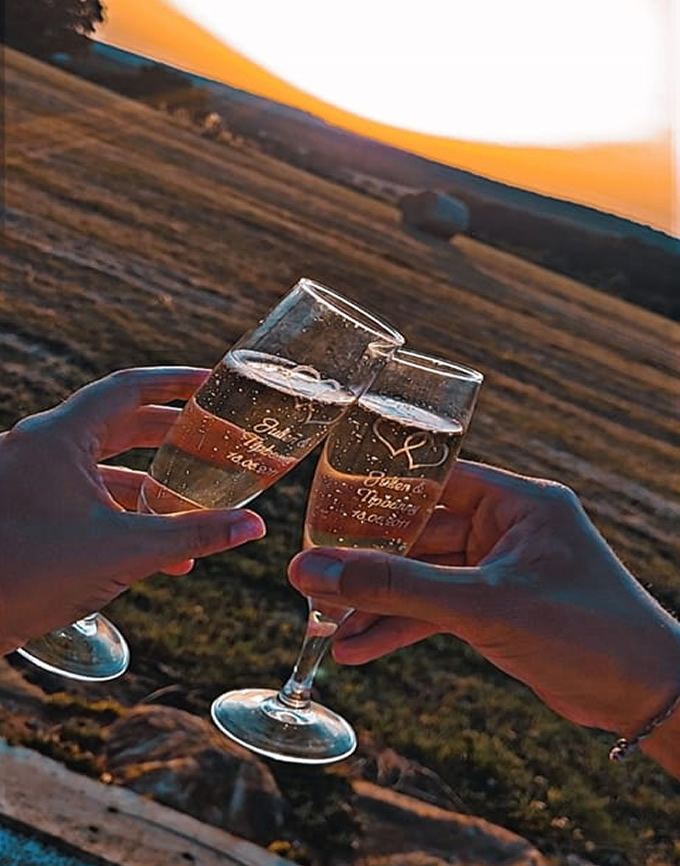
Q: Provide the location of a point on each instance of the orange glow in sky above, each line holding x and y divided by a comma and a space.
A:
612, 147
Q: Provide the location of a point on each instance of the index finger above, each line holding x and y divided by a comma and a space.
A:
126, 390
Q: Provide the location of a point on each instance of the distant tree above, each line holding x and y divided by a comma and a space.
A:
46, 27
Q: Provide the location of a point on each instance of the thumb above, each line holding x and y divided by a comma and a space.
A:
376, 582
163, 540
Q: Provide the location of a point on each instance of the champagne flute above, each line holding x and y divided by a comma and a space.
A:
265, 406
377, 482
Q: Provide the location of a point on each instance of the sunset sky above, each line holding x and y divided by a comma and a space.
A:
577, 103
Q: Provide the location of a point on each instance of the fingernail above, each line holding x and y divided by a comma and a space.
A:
320, 573
248, 527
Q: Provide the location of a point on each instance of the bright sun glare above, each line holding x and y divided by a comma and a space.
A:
521, 72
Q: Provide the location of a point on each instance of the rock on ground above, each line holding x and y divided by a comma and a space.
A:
403, 831
178, 759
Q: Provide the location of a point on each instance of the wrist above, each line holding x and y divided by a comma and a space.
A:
663, 744
653, 724
641, 677
661, 684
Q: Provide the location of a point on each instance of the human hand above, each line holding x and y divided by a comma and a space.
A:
513, 566
67, 543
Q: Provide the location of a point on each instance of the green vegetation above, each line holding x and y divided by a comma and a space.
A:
131, 240
75, 735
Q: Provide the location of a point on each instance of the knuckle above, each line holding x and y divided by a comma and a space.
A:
123, 375
124, 380
554, 492
389, 582
378, 578
561, 494
202, 539
24, 428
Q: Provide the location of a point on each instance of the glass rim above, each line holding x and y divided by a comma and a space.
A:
440, 366
369, 321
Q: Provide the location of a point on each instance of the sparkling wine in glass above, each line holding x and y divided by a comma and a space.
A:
376, 484
265, 406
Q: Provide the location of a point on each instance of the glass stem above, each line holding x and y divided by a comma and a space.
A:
87, 625
320, 629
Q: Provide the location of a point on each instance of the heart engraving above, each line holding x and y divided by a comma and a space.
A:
304, 403
412, 443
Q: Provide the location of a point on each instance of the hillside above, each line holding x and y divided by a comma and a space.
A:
384, 160
616, 255
131, 240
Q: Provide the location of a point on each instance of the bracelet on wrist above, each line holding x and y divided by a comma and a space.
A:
624, 746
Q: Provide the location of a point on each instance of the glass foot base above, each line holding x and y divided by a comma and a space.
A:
256, 719
92, 650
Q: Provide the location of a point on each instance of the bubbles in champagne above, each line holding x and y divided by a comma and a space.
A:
253, 419
380, 475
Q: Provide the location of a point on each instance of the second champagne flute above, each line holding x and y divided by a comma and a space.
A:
376, 484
